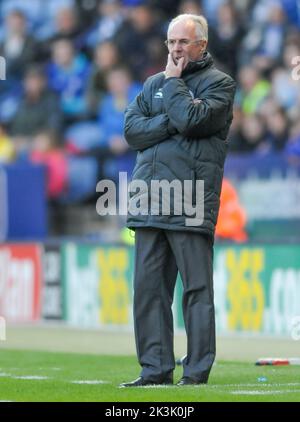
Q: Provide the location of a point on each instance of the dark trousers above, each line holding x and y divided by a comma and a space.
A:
159, 254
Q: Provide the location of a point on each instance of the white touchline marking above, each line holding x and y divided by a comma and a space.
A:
5, 401
90, 382
159, 386
259, 392
30, 377
49, 369
270, 384
3, 374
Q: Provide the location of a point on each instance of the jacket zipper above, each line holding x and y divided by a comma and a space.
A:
153, 161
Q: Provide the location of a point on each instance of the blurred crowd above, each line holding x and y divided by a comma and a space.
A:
72, 66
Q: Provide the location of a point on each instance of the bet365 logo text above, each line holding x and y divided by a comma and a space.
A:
2, 329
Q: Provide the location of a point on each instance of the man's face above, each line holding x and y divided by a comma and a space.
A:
34, 85
180, 34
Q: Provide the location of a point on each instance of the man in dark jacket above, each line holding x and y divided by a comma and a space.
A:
38, 110
178, 125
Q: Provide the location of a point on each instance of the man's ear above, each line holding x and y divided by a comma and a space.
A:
204, 45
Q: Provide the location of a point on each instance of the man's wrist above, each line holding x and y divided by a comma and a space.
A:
168, 76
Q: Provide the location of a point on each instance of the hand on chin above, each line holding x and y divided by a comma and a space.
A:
176, 60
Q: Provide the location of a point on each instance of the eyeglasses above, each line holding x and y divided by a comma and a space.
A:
183, 42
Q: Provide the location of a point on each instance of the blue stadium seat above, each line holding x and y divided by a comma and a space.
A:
82, 179
84, 135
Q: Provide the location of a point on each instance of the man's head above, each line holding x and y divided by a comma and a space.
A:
16, 22
118, 81
63, 52
34, 82
187, 37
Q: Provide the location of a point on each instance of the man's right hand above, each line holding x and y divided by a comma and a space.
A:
172, 69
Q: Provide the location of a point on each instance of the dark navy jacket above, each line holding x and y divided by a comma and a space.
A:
179, 127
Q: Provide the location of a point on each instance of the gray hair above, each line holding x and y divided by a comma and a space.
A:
200, 23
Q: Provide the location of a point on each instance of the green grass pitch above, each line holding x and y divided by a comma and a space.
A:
27, 376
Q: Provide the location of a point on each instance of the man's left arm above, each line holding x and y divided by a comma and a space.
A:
201, 117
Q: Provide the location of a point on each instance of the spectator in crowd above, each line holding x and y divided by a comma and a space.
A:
261, 11
66, 25
292, 11
268, 107
18, 47
253, 89
292, 148
7, 150
156, 56
285, 89
276, 131
252, 133
141, 25
31, 9
87, 10
106, 57
40, 14
110, 18
121, 91
192, 7
46, 151
164, 8
225, 38
38, 110
47, 25
210, 10
68, 74
234, 132
266, 35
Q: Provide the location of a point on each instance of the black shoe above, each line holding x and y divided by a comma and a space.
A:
189, 381
141, 382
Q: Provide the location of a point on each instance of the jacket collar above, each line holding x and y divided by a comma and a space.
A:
205, 61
